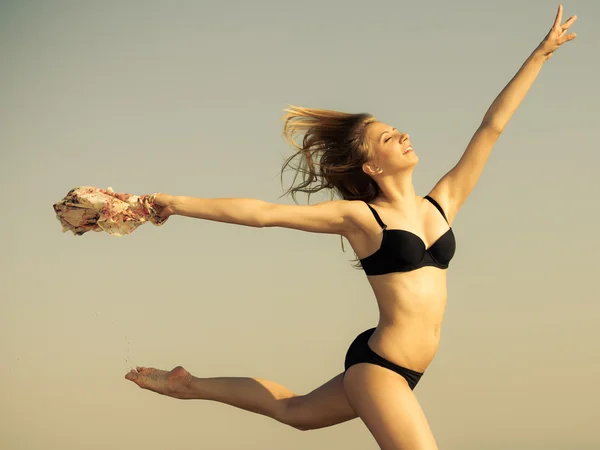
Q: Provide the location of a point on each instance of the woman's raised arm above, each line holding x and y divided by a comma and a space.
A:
454, 187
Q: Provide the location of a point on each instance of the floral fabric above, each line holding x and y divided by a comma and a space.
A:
88, 208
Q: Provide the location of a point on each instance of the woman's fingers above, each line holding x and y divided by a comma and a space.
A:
568, 23
568, 37
558, 19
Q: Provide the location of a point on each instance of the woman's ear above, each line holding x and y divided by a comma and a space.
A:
371, 169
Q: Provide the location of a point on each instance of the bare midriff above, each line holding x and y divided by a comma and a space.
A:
411, 311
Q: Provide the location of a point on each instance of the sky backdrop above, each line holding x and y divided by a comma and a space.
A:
186, 97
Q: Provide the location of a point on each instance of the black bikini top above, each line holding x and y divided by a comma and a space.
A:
403, 251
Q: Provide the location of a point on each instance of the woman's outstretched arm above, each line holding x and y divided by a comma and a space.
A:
334, 217
454, 188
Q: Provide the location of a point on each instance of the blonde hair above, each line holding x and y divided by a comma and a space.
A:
331, 155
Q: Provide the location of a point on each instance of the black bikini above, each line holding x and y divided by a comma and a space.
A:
400, 251
360, 352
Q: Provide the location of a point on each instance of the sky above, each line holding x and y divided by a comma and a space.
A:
186, 97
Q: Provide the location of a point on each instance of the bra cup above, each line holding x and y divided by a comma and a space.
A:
405, 249
443, 250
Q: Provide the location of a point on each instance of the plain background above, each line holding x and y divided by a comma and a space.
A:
185, 97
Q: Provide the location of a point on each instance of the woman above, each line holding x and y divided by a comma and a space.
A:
404, 243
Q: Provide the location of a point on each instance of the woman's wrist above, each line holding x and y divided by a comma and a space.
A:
172, 204
539, 55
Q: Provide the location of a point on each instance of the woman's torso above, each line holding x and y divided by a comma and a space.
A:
411, 304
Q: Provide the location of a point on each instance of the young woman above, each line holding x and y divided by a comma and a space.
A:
404, 243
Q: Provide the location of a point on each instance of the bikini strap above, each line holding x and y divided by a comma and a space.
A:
437, 205
379, 221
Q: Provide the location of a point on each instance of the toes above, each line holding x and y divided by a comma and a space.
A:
131, 375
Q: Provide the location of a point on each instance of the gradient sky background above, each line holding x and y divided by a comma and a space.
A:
186, 98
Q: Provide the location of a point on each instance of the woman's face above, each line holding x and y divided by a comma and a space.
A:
391, 150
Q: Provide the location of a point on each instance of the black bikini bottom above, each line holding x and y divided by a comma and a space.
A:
360, 352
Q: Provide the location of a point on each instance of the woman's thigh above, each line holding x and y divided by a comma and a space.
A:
390, 410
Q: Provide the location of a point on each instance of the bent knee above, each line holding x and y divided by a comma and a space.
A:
293, 414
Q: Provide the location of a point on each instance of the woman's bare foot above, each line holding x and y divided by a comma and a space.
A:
173, 384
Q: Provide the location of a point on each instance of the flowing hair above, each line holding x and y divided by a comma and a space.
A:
332, 152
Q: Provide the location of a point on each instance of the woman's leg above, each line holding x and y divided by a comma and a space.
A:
323, 407
389, 409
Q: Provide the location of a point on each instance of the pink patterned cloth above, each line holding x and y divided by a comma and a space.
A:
88, 208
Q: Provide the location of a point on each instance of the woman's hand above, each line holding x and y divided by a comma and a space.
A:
163, 204
557, 37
